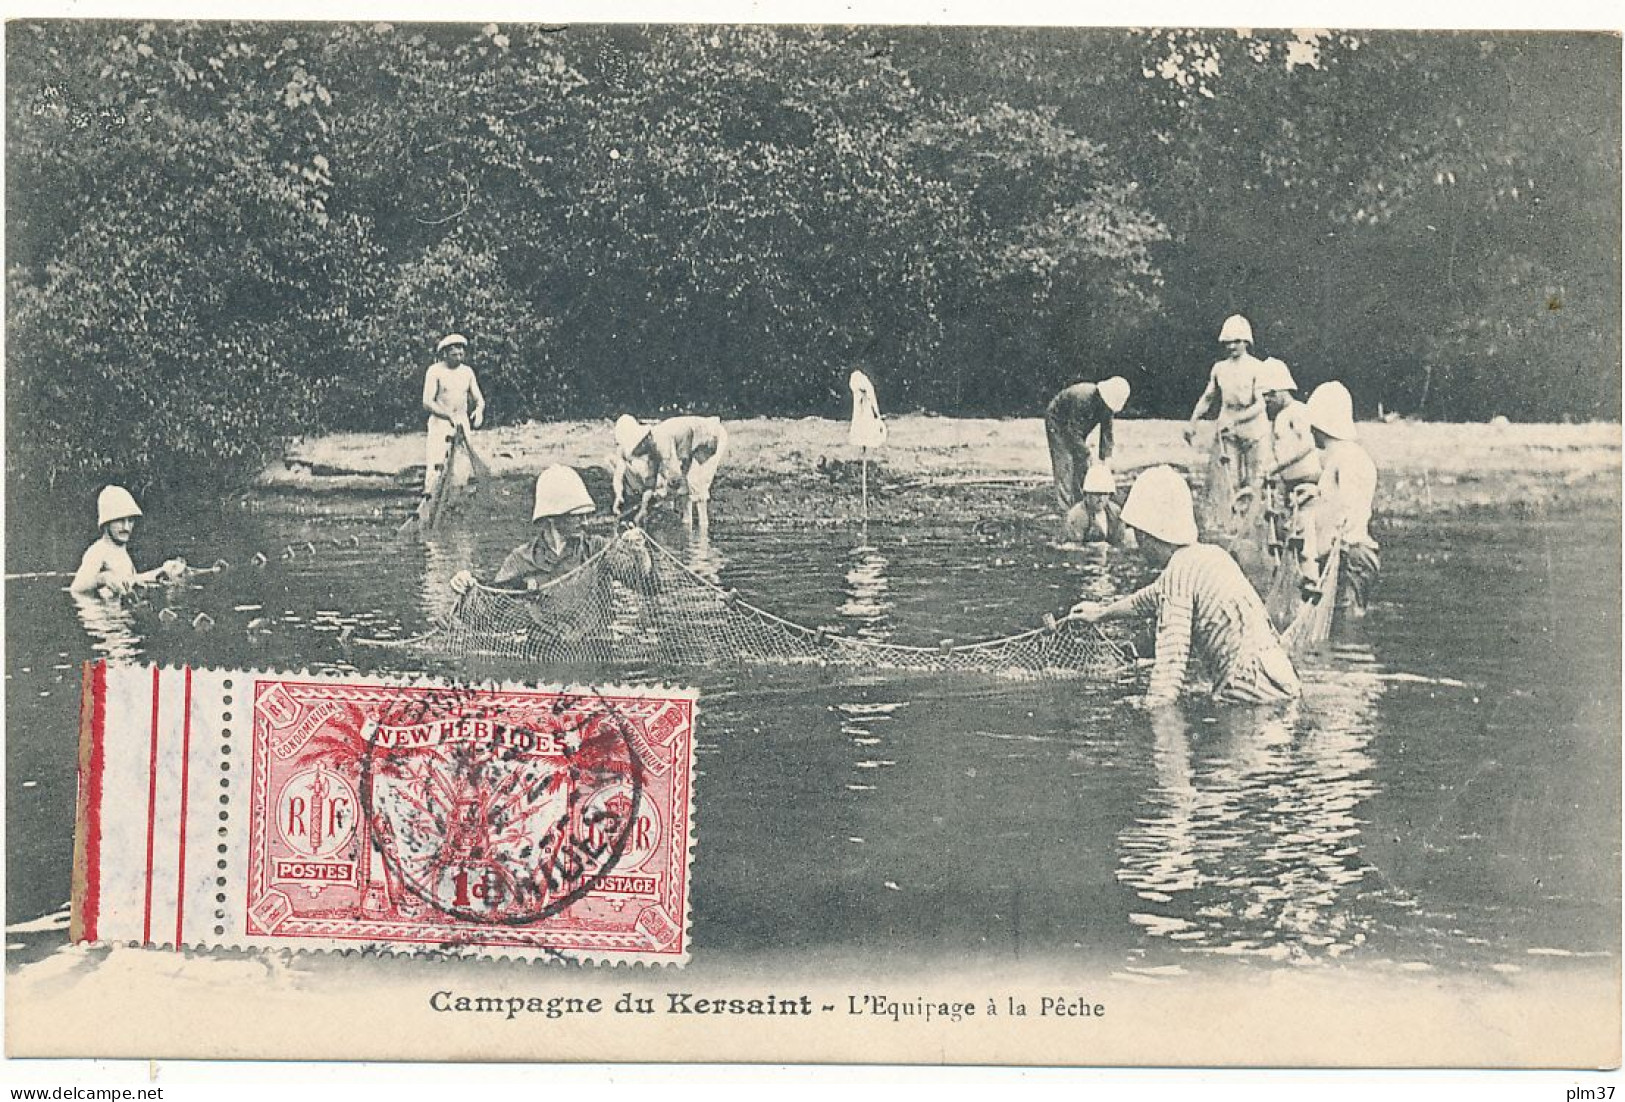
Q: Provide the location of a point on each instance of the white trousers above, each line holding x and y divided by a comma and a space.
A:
437, 450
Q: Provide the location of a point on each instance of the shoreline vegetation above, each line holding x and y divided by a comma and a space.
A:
1425, 467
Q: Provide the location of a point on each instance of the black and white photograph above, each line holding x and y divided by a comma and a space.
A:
1065, 545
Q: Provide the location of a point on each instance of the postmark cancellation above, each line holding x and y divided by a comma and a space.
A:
247, 809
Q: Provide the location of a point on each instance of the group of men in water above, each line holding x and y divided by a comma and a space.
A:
1300, 460
1297, 466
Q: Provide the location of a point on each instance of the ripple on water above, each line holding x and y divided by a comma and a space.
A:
1329, 835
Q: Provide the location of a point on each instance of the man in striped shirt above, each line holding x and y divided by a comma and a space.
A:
1202, 601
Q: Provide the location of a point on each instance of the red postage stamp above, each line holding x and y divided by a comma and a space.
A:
340, 813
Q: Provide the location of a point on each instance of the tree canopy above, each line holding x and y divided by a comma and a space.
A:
221, 235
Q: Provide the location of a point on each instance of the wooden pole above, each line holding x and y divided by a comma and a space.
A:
865, 481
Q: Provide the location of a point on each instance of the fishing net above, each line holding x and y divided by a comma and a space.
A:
616, 608
1311, 621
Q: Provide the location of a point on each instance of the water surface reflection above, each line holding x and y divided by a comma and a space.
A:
868, 602
1249, 841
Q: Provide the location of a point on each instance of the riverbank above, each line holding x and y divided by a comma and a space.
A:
795, 463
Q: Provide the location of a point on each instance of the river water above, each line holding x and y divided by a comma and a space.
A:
1445, 796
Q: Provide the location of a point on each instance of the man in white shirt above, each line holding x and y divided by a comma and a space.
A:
679, 455
1346, 495
452, 398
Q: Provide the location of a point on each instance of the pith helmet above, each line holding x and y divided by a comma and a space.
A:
1099, 479
1159, 504
1275, 375
115, 503
1331, 410
450, 339
629, 433
1236, 328
560, 492
1114, 392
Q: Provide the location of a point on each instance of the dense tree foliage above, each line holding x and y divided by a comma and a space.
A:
221, 235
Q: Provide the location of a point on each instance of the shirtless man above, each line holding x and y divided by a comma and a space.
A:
1232, 392
452, 398
106, 569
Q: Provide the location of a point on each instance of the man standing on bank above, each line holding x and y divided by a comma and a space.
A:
1071, 417
452, 398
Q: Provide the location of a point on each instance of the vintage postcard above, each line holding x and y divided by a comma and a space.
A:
812, 543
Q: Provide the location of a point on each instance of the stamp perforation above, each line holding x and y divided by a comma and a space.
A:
238, 892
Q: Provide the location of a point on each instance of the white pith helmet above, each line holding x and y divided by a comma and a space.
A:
560, 492
1098, 479
629, 433
1236, 328
1331, 410
115, 503
1114, 392
1275, 375
450, 339
1159, 504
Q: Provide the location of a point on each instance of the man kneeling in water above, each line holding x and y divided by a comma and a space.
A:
1202, 602
1096, 518
106, 569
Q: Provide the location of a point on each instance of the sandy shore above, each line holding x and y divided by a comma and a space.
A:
1425, 467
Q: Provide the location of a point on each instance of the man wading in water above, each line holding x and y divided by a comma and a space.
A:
561, 544
572, 611
106, 569
1294, 461
1244, 427
452, 398
1072, 416
680, 454
1202, 602
1343, 503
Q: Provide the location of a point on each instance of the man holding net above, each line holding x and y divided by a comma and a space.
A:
1294, 461
452, 399
680, 455
1340, 507
106, 569
560, 547
1243, 426
1202, 601
1079, 415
